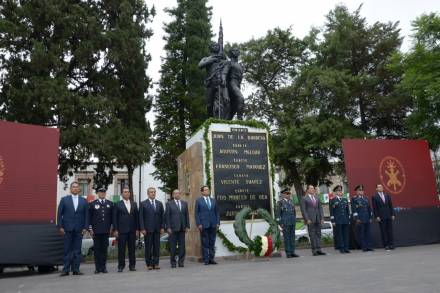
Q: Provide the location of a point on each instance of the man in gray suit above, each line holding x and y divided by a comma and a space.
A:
177, 224
313, 215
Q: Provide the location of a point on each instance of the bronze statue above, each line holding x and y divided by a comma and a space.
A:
224, 98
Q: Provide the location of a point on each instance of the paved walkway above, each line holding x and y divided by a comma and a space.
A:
409, 269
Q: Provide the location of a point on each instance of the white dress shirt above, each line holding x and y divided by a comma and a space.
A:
127, 205
75, 201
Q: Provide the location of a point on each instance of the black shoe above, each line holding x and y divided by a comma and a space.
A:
289, 256
319, 252
120, 270
104, 271
370, 249
294, 255
78, 273
392, 247
206, 263
315, 254
342, 251
132, 269
97, 272
173, 266
212, 262
181, 265
63, 274
347, 251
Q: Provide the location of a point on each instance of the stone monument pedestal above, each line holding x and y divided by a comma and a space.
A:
233, 160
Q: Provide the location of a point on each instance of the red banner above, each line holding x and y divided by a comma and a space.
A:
403, 167
28, 173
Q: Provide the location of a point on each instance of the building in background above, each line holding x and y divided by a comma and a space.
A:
141, 178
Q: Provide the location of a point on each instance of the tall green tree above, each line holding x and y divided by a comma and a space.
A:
422, 79
180, 102
333, 84
80, 66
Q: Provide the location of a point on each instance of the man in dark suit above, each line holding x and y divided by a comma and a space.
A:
384, 214
286, 218
340, 218
208, 221
362, 215
72, 221
177, 224
101, 217
313, 215
126, 226
151, 224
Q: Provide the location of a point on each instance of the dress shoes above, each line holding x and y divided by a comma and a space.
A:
77, 273
63, 274
181, 265
319, 252
97, 272
156, 267
294, 255
132, 269
212, 262
120, 270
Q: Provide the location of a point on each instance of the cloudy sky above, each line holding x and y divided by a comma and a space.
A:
244, 19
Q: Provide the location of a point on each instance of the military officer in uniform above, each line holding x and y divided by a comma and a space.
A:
340, 218
286, 218
362, 215
101, 214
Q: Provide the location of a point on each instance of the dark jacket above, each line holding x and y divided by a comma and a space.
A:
71, 220
381, 209
205, 216
101, 216
285, 213
175, 219
125, 222
151, 219
360, 209
339, 210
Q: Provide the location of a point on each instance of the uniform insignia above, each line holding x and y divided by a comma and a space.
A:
108, 206
97, 206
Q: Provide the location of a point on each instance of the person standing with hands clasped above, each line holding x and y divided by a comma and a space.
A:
151, 224
126, 225
208, 221
177, 224
286, 218
384, 214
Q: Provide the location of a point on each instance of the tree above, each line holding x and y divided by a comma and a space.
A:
335, 83
422, 79
180, 102
80, 66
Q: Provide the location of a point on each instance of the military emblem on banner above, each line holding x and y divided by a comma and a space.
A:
392, 175
2, 169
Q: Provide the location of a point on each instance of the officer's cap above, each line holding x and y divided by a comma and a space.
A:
359, 187
286, 190
337, 188
102, 189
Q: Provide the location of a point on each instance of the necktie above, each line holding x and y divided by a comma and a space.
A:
153, 204
314, 201
382, 196
208, 201
178, 204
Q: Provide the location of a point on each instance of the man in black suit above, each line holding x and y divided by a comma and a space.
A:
126, 226
151, 214
72, 221
101, 217
177, 224
384, 214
